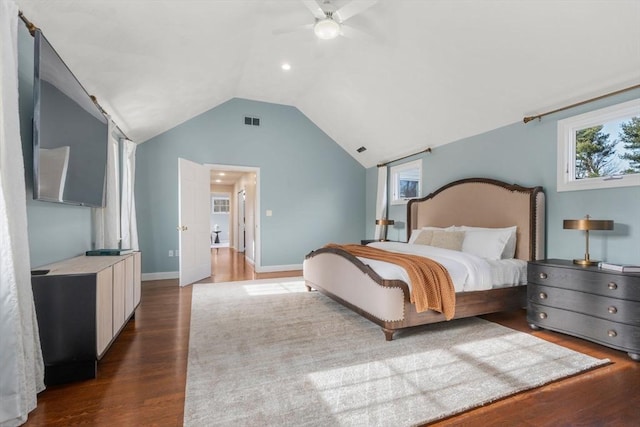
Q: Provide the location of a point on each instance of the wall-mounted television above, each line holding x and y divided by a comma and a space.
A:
70, 134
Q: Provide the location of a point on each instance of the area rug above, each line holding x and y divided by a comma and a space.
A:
269, 353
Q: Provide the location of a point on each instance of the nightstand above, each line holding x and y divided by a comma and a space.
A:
599, 305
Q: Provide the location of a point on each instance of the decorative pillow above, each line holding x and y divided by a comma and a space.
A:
450, 228
448, 239
487, 244
509, 250
422, 237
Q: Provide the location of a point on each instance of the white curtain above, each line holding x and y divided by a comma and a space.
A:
128, 218
381, 200
106, 220
21, 366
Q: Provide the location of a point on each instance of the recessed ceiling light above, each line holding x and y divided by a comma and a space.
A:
286, 66
221, 174
218, 180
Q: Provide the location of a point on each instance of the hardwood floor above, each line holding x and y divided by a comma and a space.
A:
141, 379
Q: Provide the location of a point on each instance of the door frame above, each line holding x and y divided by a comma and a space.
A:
257, 226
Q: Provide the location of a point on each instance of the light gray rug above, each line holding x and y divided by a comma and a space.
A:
269, 353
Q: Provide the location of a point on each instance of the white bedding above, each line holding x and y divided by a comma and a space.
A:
468, 272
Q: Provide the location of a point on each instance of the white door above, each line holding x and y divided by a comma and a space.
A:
195, 246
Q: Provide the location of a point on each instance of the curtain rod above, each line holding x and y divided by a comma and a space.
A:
426, 150
540, 116
32, 30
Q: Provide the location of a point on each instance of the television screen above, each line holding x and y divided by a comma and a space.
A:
69, 134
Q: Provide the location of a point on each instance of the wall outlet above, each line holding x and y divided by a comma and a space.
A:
170, 253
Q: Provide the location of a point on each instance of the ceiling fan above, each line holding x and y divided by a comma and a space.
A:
329, 21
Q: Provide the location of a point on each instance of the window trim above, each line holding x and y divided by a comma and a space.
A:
394, 172
567, 148
218, 198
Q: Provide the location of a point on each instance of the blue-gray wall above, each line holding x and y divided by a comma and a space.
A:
314, 188
526, 154
56, 231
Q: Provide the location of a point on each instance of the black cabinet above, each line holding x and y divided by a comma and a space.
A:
599, 305
81, 305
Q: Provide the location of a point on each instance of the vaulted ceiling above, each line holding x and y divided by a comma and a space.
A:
407, 75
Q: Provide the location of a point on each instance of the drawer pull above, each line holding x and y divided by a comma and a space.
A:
612, 286
542, 315
612, 310
542, 275
612, 333
542, 295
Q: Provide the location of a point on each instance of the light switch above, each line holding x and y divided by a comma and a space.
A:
269, 212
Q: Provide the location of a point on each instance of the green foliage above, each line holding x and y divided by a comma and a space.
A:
630, 137
594, 153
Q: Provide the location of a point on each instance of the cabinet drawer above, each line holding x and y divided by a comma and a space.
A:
591, 280
616, 310
616, 335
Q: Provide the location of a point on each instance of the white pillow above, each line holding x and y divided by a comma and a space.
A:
414, 235
450, 228
509, 250
487, 244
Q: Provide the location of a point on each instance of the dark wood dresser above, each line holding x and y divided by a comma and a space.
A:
599, 305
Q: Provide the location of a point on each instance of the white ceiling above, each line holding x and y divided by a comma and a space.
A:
428, 72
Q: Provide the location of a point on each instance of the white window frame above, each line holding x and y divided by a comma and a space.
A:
394, 174
567, 129
213, 203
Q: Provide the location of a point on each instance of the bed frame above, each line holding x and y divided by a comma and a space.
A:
478, 202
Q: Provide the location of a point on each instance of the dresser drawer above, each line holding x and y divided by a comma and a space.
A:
616, 310
589, 280
616, 335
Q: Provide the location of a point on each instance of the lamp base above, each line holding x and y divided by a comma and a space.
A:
585, 262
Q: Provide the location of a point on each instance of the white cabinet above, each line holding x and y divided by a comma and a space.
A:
82, 304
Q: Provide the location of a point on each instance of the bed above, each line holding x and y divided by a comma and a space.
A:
467, 205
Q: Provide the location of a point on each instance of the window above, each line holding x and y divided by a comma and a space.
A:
600, 149
406, 182
220, 205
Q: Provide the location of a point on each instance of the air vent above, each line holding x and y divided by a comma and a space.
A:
361, 149
251, 121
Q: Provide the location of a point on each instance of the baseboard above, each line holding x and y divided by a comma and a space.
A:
163, 275
276, 268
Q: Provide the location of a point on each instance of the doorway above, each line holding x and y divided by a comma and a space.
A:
242, 185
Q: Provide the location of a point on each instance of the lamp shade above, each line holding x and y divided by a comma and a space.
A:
587, 224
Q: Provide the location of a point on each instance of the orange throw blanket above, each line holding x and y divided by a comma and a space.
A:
431, 284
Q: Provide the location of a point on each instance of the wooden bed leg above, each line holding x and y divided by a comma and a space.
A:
388, 333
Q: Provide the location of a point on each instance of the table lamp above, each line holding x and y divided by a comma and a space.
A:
384, 223
587, 224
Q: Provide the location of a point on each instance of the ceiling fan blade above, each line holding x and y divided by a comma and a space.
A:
315, 8
280, 31
353, 8
352, 33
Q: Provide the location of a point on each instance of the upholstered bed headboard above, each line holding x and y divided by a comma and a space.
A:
483, 202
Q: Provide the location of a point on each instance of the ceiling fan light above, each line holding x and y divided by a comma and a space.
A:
326, 29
